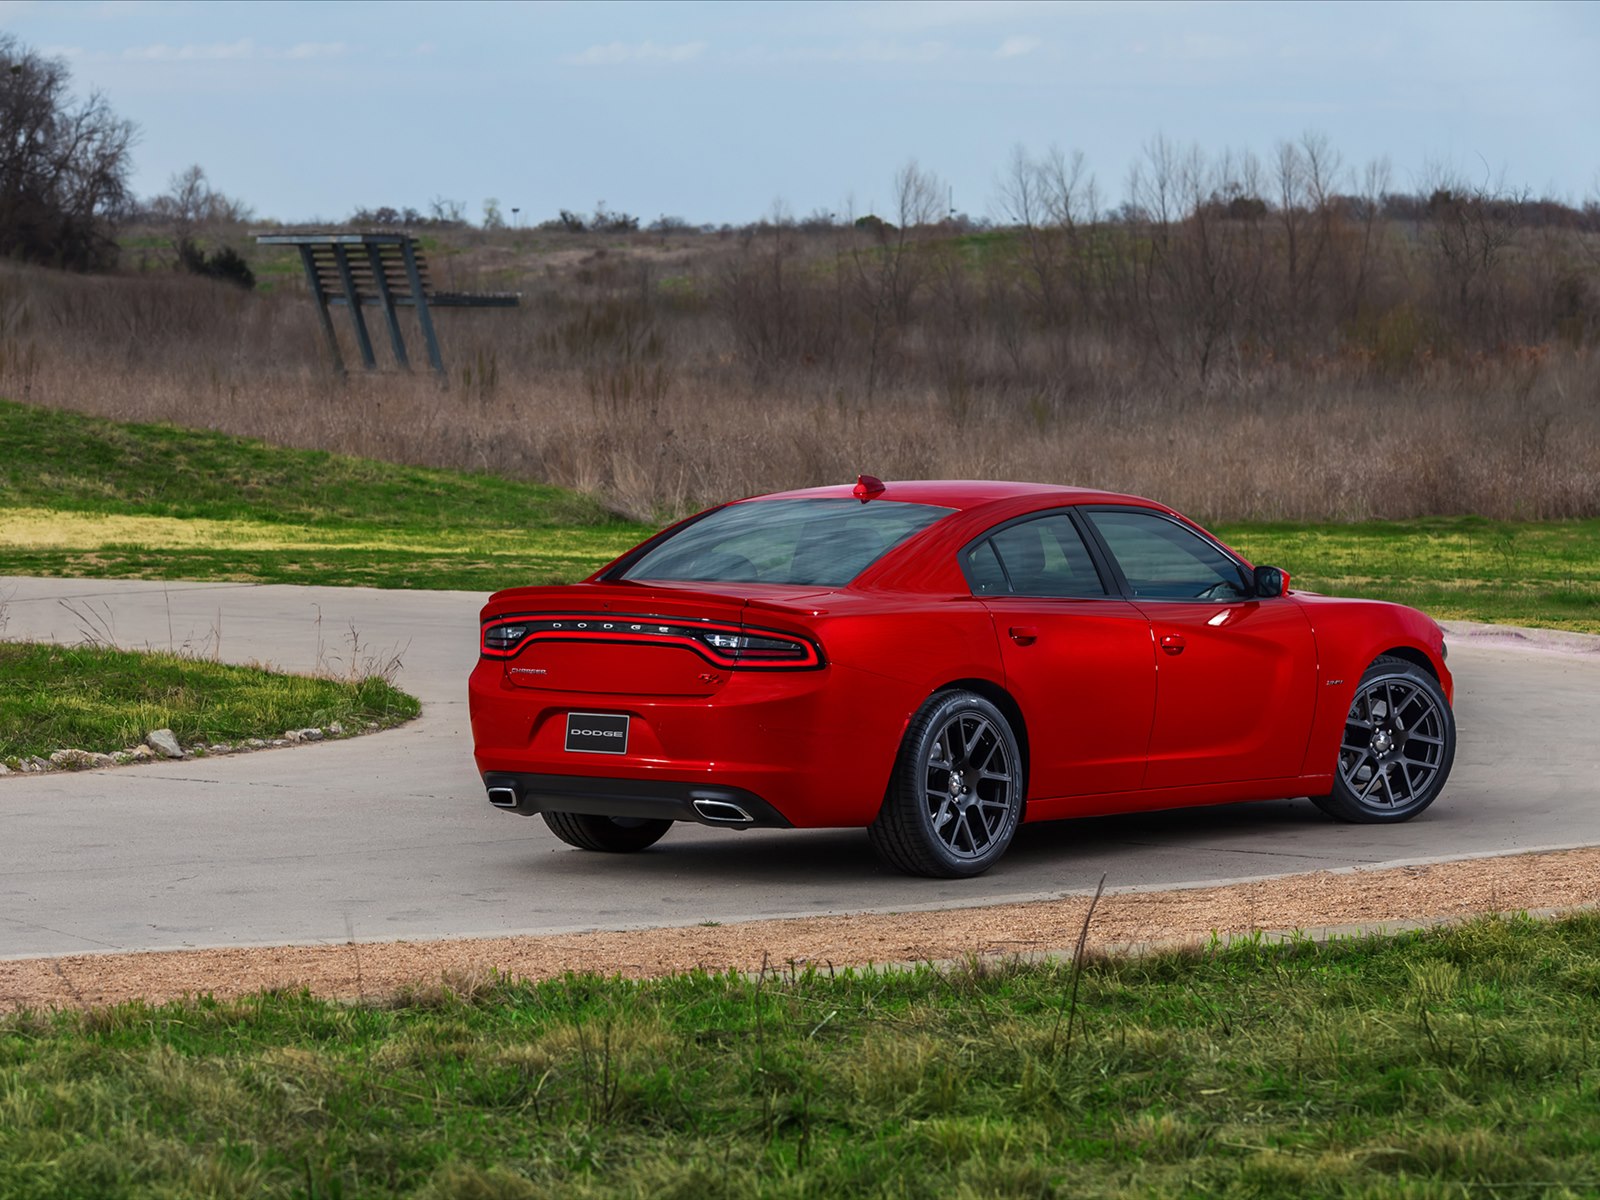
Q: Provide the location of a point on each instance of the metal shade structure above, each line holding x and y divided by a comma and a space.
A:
377, 270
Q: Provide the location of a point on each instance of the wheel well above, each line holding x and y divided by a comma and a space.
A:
1415, 657
1003, 700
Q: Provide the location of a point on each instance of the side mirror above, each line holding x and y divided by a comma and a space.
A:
1270, 581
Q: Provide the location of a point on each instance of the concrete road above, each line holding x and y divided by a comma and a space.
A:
389, 836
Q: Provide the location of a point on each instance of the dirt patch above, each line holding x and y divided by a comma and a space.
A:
1319, 901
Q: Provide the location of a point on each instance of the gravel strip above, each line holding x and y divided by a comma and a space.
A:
374, 970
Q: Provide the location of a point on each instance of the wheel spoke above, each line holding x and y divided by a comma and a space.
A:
1388, 788
1418, 697
967, 743
1354, 769
1377, 774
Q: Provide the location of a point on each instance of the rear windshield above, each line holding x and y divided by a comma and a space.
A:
815, 542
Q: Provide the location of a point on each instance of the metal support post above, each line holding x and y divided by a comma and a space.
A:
381, 282
321, 298
408, 250
353, 301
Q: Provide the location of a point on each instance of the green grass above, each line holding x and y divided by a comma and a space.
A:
1459, 1063
97, 699
1466, 568
334, 519
87, 497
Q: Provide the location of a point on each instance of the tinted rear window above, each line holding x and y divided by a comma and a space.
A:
826, 543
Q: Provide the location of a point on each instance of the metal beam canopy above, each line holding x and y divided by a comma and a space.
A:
377, 270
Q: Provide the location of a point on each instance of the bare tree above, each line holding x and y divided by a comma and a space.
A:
63, 165
1375, 181
1470, 229
1199, 271
1050, 200
192, 207
889, 275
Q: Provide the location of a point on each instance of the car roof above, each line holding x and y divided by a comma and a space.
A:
962, 494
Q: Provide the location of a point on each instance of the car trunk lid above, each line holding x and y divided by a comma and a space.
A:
630, 639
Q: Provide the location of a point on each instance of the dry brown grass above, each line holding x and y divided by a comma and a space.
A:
631, 371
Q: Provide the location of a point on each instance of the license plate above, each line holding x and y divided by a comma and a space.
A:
597, 733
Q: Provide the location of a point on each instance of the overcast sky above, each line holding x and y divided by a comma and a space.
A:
716, 111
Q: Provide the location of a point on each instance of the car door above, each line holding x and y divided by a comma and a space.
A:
1079, 661
1235, 674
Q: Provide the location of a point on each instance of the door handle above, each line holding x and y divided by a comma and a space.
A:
1024, 635
1172, 643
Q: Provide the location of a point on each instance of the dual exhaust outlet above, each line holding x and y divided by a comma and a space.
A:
713, 812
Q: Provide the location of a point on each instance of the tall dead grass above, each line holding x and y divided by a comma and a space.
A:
666, 378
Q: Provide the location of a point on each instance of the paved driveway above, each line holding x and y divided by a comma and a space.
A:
389, 836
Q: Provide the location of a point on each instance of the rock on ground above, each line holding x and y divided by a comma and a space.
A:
164, 743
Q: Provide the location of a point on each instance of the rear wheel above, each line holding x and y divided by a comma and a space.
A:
1398, 746
619, 835
956, 795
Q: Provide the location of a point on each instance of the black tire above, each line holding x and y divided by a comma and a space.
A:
1398, 746
956, 795
617, 835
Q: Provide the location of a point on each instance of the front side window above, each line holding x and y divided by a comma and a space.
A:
1041, 557
823, 543
1163, 560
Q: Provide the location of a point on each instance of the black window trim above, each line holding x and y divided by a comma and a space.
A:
1097, 557
1086, 516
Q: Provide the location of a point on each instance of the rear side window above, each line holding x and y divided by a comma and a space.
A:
823, 543
1041, 557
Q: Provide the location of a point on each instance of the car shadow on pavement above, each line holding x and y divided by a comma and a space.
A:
1154, 847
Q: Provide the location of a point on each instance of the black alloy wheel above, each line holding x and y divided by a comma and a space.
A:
956, 796
618, 835
1398, 746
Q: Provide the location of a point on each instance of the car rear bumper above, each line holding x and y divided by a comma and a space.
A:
659, 799
809, 749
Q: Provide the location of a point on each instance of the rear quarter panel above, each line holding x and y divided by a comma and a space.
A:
887, 653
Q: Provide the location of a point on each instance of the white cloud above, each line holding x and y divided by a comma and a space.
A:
1017, 46
614, 53
161, 52
244, 48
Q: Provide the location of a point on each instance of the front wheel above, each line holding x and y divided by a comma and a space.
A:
618, 835
1399, 743
956, 795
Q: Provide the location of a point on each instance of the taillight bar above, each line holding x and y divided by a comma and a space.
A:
737, 647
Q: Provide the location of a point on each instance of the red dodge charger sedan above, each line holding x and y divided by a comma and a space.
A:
939, 662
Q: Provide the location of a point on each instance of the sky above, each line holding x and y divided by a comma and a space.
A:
727, 111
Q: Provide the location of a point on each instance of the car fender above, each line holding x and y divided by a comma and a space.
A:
1350, 635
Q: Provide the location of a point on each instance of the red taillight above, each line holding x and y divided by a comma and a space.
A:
733, 646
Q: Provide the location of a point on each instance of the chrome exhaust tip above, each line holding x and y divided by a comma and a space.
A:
503, 797
722, 812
